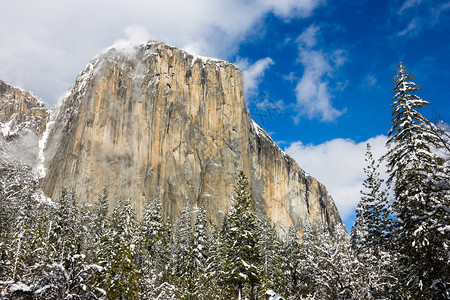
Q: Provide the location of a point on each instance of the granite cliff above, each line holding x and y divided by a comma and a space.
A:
154, 119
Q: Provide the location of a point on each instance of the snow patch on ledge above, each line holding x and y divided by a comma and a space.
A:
203, 59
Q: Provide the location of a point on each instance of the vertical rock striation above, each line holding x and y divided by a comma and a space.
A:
155, 119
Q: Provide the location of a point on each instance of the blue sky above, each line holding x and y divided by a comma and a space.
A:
318, 74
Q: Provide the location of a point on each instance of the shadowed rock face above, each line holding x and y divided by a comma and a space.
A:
156, 119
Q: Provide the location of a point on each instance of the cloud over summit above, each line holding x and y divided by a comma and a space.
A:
62, 36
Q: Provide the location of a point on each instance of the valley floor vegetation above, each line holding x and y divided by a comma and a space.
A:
398, 248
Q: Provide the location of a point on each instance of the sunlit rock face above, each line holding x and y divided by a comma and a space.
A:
154, 119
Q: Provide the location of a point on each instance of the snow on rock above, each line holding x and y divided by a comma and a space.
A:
263, 134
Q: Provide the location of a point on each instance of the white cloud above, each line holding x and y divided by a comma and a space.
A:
44, 44
288, 8
438, 10
339, 165
408, 4
308, 37
135, 35
415, 16
412, 28
313, 90
253, 74
370, 82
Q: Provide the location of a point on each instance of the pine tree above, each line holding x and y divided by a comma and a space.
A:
335, 272
271, 256
118, 255
293, 265
182, 261
67, 228
7, 221
216, 287
100, 213
372, 222
30, 241
200, 252
242, 253
152, 228
421, 203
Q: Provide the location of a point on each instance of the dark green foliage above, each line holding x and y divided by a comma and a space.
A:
241, 234
183, 260
118, 253
271, 262
293, 266
373, 224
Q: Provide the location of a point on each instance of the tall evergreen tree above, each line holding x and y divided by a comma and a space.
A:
242, 253
152, 226
419, 177
118, 255
271, 256
7, 222
183, 261
100, 213
216, 287
200, 249
372, 213
292, 266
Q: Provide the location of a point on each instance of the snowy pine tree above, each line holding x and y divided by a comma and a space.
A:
216, 287
152, 226
419, 177
271, 256
294, 281
200, 253
7, 222
183, 260
242, 253
100, 213
372, 222
118, 253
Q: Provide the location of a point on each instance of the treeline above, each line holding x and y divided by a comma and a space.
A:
69, 250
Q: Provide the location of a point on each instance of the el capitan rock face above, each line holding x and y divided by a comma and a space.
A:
155, 119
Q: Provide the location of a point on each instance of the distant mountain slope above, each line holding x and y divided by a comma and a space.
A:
23, 118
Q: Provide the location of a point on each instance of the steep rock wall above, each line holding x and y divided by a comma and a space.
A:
156, 119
